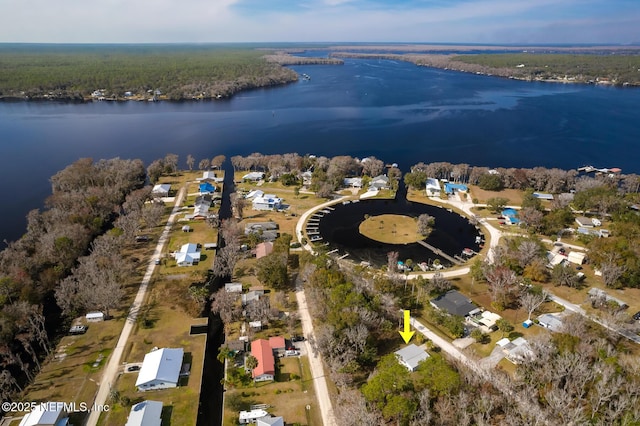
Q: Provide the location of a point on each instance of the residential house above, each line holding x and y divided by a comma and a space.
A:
268, 231
379, 182
517, 350
233, 287
433, 187
264, 249
270, 421
254, 193
410, 356
253, 176
543, 196
161, 190
450, 187
278, 344
145, 413
596, 293
266, 369
306, 177
206, 188
252, 416
352, 182
46, 414
160, 369
486, 321
576, 257
266, 202
551, 321
455, 303
210, 177
584, 222
188, 255
251, 296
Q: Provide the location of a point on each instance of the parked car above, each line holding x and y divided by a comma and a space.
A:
636, 316
297, 338
142, 238
133, 368
78, 329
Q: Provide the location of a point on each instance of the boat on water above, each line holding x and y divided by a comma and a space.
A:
305, 76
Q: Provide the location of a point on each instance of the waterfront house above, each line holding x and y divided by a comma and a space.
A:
267, 202
253, 176
411, 356
450, 188
161, 190
433, 187
145, 413
455, 303
160, 369
352, 182
379, 182
266, 370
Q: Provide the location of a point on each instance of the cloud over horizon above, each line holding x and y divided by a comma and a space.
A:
456, 21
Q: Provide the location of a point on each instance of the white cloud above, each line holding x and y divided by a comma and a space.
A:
312, 20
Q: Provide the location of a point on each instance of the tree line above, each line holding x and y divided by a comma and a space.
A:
176, 72
327, 174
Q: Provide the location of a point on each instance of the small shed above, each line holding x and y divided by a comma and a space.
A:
161, 190
233, 287
584, 222
94, 316
186, 228
145, 413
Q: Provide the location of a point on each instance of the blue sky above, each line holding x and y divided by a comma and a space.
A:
457, 21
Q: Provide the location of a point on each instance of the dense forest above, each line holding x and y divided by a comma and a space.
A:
139, 72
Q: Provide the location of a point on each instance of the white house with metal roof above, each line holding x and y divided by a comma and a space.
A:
145, 413
46, 414
188, 255
160, 369
161, 190
410, 356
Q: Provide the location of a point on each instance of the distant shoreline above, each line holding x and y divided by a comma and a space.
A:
521, 72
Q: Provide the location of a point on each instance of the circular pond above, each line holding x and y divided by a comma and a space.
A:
341, 227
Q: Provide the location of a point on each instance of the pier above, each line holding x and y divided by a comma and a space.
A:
440, 253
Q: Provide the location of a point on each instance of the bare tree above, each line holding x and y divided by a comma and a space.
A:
238, 204
152, 213
204, 164
531, 301
352, 410
371, 166
502, 282
226, 305
171, 163
392, 262
425, 224
190, 161
217, 161
439, 283
611, 273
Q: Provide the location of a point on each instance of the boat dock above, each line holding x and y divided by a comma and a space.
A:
440, 253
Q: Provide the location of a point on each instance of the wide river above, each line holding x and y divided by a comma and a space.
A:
395, 111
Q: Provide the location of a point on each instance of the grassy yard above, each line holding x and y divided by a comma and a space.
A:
288, 396
513, 195
168, 327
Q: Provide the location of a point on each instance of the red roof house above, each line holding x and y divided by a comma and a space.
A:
264, 249
266, 370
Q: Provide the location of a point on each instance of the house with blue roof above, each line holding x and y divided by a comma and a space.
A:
207, 188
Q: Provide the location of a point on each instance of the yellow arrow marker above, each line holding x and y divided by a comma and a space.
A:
407, 334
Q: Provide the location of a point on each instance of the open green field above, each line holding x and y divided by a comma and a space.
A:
177, 71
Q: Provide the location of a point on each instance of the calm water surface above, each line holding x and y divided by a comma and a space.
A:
396, 111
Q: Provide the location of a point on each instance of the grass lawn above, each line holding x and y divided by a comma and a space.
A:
287, 397
513, 195
391, 229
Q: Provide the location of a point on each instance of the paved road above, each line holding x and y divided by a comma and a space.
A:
110, 372
315, 361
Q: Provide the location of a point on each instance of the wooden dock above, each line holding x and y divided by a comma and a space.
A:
440, 253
